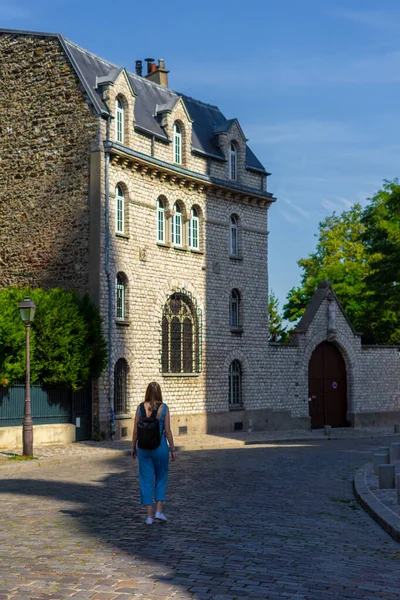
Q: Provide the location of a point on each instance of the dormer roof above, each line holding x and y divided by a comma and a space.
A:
227, 126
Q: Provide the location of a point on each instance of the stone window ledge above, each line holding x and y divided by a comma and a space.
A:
237, 330
123, 236
123, 417
123, 322
237, 257
164, 244
195, 251
181, 374
236, 407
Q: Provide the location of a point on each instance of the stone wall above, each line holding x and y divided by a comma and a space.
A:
46, 130
154, 271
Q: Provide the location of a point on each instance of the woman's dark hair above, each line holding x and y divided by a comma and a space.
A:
153, 395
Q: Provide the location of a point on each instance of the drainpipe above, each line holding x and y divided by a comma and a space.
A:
109, 280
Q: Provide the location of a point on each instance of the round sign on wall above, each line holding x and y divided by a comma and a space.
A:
334, 385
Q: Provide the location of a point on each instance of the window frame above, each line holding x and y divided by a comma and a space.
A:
235, 384
180, 337
121, 297
161, 220
194, 229
121, 370
119, 209
177, 143
176, 226
119, 120
233, 161
234, 309
234, 235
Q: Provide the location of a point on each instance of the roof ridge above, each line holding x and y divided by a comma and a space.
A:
103, 60
213, 106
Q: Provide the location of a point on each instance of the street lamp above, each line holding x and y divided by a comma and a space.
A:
27, 310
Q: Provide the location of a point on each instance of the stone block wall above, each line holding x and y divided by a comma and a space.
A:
154, 271
47, 131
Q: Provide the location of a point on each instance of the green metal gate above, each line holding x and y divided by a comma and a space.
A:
49, 405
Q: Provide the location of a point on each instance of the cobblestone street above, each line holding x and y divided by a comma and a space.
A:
253, 522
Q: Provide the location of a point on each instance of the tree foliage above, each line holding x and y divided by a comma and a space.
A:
67, 344
359, 253
277, 332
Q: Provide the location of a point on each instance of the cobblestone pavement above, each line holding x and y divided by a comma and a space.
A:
195, 442
254, 522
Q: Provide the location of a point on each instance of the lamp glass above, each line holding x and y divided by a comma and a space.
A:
27, 310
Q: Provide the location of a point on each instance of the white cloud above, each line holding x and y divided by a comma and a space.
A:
305, 214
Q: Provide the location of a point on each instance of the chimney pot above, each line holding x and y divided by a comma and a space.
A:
149, 61
139, 68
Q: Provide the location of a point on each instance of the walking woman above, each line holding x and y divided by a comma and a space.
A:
149, 443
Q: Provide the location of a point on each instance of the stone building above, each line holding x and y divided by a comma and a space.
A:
114, 184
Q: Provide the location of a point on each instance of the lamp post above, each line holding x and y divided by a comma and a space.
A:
27, 310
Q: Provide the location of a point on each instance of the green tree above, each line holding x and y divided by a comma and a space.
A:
277, 332
381, 236
67, 343
341, 257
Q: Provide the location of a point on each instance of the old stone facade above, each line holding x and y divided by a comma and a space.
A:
153, 203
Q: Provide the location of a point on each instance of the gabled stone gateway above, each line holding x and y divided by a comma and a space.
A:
153, 203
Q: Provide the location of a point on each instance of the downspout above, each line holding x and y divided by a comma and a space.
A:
109, 280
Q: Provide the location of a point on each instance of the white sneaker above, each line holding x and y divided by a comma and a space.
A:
149, 521
160, 517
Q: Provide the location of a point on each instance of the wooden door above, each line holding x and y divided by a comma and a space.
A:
327, 387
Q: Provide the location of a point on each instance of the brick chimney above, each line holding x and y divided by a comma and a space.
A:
157, 73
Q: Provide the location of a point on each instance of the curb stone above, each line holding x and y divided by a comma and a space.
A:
388, 520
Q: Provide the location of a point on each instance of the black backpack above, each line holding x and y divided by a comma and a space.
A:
148, 430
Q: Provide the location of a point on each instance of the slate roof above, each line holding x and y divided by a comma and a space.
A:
207, 119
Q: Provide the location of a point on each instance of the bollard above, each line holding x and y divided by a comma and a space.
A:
386, 474
398, 488
397, 427
327, 430
380, 459
394, 451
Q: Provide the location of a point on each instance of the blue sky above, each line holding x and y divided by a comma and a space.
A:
314, 84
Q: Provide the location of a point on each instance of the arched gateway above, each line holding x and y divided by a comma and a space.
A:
327, 387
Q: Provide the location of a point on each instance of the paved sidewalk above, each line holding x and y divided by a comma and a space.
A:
54, 454
383, 505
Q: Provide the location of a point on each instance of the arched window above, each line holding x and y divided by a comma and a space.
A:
121, 297
176, 226
234, 235
180, 336
160, 221
119, 210
121, 387
234, 309
177, 144
193, 229
119, 121
232, 162
235, 383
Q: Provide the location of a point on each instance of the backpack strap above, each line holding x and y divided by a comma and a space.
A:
142, 410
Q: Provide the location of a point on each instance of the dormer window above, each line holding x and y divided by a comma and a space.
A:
232, 162
119, 121
177, 144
